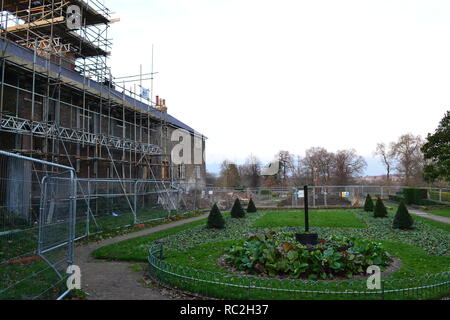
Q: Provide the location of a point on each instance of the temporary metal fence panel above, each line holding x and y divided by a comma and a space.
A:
109, 204
36, 227
197, 197
440, 195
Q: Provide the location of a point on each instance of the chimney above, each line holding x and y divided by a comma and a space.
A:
161, 105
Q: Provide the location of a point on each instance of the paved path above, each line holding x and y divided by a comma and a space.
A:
105, 280
429, 216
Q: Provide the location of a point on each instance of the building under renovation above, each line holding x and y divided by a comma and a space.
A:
60, 103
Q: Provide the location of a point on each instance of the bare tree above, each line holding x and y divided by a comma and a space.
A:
251, 172
347, 165
319, 165
211, 179
299, 172
387, 158
229, 175
410, 160
286, 166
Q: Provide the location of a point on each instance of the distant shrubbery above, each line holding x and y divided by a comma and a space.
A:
414, 195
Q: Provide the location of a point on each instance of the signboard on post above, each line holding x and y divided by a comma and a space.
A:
301, 193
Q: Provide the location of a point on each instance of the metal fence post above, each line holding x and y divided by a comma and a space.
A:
41, 214
72, 217
135, 202
88, 218
314, 197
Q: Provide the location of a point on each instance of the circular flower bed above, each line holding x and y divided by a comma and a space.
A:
277, 254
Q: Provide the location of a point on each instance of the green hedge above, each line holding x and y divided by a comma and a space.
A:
415, 195
421, 202
426, 202
396, 198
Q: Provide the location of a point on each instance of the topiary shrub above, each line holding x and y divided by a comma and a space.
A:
215, 219
403, 219
237, 212
380, 210
251, 208
368, 205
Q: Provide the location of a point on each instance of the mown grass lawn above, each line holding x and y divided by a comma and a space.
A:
433, 223
440, 212
317, 218
195, 250
136, 249
415, 261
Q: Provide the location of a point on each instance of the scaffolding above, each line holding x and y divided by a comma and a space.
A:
60, 103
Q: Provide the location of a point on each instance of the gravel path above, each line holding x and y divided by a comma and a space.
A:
109, 280
429, 216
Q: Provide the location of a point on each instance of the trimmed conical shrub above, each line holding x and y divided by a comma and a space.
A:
237, 212
215, 219
251, 208
380, 210
403, 219
368, 205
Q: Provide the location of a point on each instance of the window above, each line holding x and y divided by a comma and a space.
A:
198, 172
165, 170
181, 171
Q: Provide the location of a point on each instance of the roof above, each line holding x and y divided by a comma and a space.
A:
93, 12
28, 55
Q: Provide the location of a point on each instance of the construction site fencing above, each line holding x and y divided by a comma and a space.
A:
108, 204
196, 197
37, 220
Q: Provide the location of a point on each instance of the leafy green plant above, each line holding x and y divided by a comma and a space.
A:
251, 207
380, 210
237, 212
403, 219
272, 254
215, 219
368, 205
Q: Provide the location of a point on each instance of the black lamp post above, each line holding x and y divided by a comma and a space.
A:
307, 238
306, 210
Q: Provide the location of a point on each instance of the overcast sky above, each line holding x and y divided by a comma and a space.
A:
258, 76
